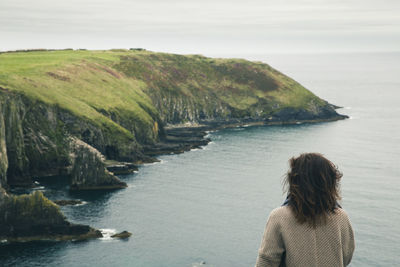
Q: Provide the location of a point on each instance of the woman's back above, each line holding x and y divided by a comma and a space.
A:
286, 242
310, 229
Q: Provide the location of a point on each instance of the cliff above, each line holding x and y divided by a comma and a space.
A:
206, 90
36, 141
66, 112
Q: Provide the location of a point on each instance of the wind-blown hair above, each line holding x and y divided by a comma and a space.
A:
312, 188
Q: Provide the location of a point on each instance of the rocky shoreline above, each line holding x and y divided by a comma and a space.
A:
67, 202
180, 138
176, 139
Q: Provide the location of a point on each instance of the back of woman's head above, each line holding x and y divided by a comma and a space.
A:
313, 188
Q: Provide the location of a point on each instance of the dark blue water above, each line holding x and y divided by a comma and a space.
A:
211, 205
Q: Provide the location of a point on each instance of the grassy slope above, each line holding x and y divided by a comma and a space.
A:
247, 88
238, 82
100, 85
78, 81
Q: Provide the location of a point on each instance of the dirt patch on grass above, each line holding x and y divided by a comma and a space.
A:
98, 67
4, 89
112, 72
58, 76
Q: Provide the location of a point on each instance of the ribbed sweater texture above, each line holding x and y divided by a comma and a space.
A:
288, 243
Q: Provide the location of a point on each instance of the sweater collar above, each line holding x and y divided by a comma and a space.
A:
287, 200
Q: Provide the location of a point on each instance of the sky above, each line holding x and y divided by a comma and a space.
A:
209, 27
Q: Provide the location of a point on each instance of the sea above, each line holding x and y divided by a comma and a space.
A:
209, 206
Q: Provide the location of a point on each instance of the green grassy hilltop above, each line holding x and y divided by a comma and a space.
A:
80, 82
130, 92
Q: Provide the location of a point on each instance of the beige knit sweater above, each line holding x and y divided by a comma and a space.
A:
288, 243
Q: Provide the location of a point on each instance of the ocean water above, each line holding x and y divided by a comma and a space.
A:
208, 207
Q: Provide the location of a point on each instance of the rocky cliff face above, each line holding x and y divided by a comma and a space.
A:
3, 152
103, 139
88, 171
35, 141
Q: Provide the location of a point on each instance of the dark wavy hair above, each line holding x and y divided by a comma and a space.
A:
312, 185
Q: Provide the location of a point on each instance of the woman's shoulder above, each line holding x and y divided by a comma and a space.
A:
340, 211
282, 212
342, 216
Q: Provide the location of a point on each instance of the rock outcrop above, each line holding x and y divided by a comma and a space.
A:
89, 169
122, 235
34, 217
118, 168
66, 202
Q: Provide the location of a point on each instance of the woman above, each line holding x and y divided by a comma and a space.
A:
310, 228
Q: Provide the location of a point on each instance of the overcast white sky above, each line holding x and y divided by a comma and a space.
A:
203, 26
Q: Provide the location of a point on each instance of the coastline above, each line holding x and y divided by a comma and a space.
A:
177, 139
180, 138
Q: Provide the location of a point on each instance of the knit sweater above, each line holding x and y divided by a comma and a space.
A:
289, 243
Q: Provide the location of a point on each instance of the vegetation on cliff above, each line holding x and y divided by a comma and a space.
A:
195, 88
84, 84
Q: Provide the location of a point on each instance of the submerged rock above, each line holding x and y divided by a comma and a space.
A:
122, 235
65, 202
179, 140
196, 264
119, 168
